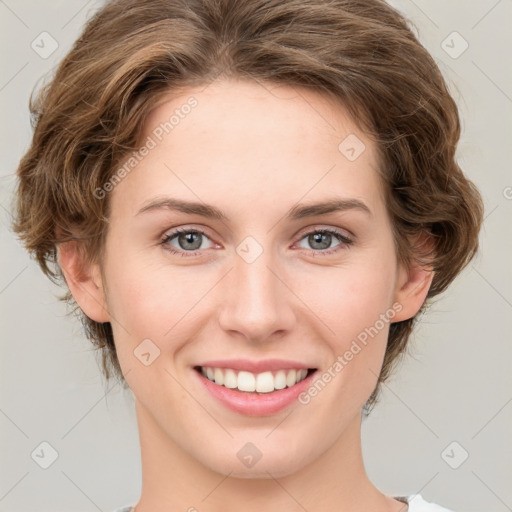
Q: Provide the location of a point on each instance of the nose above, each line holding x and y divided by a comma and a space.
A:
257, 302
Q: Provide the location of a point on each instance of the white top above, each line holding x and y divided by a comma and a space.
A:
415, 501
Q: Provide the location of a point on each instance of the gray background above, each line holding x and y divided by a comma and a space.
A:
454, 387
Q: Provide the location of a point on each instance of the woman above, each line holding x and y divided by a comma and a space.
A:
250, 203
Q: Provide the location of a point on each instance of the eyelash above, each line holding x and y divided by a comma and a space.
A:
345, 241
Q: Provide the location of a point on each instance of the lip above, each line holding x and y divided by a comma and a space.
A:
265, 365
252, 404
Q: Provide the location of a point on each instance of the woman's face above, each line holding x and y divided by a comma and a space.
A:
260, 284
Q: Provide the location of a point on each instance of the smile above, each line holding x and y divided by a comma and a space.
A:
254, 388
265, 382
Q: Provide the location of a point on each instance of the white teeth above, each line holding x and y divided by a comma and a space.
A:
219, 376
291, 378
280, 380
230, 380
264, 382
246, 381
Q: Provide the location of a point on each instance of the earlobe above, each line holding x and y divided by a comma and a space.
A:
413, 284
84, 281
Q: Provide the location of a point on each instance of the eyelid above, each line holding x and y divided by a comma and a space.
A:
323, 227
180, 229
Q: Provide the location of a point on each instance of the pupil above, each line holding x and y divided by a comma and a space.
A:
189, 239
317, 238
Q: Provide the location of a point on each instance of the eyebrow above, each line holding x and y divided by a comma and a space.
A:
296, 213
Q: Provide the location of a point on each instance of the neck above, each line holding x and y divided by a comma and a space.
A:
173, 480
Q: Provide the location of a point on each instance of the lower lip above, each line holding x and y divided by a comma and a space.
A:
252, 404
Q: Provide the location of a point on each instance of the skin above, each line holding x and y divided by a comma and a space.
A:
254, 151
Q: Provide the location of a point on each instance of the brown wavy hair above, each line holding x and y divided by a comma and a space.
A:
131, 53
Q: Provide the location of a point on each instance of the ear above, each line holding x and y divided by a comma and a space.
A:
84, 281
412, 285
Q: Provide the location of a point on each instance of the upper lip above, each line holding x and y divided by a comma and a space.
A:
264, 365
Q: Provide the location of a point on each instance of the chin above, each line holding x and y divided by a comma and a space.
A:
274, 466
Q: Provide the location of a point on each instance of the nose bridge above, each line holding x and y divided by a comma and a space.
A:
257, 302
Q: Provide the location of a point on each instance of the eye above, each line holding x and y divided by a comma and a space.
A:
188, 241
321, 239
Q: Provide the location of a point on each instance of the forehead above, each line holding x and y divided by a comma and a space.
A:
253, 143
274, 114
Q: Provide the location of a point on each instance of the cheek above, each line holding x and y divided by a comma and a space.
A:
358, 316
351, 297
144, 302
354, 303
157, 302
